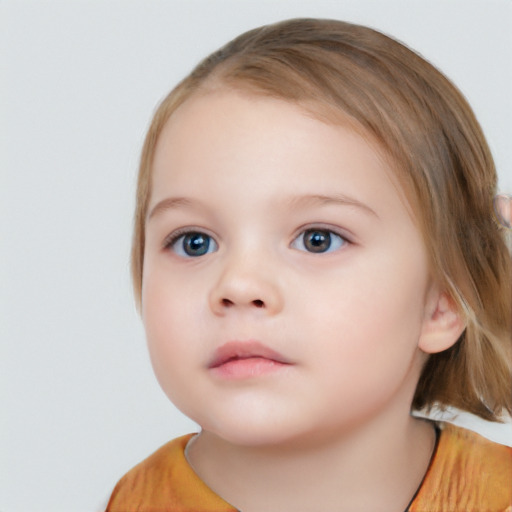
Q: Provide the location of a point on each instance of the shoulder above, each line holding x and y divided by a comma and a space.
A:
468, 473
163, 482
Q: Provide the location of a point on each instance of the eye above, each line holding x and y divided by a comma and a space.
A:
317, 240
192, 244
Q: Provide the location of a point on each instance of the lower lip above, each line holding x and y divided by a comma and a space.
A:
247, 368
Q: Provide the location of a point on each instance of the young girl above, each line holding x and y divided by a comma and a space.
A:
315, 255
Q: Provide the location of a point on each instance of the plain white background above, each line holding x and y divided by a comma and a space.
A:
79, 81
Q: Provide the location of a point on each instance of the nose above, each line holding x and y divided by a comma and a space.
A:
246, 284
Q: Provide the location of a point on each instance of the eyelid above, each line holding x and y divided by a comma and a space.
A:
175, 235
343, 233
334, 230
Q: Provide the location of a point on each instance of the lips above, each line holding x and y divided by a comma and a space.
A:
237, 359
244, 350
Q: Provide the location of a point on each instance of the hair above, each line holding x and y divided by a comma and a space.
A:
429, 133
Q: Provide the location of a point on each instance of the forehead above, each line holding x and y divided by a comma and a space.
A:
222, 138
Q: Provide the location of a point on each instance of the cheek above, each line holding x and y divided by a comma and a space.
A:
165, 316
369, 317
366, 349
164, 301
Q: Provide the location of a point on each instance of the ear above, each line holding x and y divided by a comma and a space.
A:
443, 323
503, 209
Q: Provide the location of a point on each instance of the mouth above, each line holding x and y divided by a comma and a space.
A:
238, 360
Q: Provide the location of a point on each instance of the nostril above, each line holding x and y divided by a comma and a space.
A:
227, 303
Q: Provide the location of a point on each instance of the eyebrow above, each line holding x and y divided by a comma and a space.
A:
295, 202
336, 199
169, 204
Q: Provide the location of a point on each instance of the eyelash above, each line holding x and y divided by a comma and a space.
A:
342, 240
171, 242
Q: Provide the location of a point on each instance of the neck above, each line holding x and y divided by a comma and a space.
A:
376, 467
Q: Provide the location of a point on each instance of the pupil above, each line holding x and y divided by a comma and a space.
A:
317, 241
196, 244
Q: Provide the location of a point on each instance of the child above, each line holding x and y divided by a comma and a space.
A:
316, 255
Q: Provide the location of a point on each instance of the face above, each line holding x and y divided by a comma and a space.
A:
284, 281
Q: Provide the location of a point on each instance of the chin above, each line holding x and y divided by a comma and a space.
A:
257, 433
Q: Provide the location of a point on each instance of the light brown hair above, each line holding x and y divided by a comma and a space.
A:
439, 154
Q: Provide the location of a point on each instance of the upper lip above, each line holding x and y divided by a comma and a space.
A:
244, 350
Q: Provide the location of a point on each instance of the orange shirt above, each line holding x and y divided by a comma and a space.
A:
468, 473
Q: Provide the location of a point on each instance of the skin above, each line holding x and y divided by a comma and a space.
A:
354, 322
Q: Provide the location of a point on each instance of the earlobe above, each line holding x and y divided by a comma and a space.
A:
443, 325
